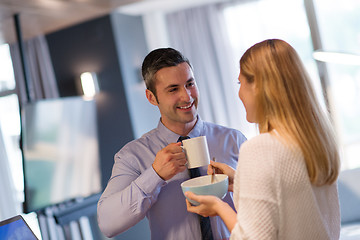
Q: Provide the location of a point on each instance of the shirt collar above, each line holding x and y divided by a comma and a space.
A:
171, 137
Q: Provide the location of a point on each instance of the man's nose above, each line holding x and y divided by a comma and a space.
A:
185, 95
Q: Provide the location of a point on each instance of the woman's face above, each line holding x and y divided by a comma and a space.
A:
247, 94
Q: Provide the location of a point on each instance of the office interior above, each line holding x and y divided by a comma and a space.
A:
110, 39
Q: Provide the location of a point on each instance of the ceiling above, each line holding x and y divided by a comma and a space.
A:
45, 16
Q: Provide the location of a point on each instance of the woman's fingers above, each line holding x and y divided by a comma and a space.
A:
219, 167
189, 207
191, 195
210, 169
206, 205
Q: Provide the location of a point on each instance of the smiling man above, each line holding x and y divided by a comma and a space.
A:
148, 171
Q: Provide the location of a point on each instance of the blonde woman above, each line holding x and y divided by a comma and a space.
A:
285, 182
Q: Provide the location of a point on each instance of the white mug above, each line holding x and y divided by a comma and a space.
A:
197, 152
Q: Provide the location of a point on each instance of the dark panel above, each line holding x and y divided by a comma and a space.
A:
90, 46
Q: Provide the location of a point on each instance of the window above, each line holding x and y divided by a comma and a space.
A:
7, 81
340, 32
252, 22
10, 119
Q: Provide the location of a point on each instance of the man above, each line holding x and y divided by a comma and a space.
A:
148, 171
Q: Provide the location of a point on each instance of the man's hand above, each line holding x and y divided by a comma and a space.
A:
169, 161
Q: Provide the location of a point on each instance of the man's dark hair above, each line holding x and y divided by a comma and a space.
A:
158, 59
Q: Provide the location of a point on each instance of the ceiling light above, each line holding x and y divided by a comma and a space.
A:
337, 57
89, 84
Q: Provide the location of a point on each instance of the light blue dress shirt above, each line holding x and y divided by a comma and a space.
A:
135, 190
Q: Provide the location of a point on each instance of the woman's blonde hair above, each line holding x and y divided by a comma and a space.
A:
287, 102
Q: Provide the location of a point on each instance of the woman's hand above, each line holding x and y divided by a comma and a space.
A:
209, 205
212, 206
223, 169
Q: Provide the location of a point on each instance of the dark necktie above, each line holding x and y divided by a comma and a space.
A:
205, 226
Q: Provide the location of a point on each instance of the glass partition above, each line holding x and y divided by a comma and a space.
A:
340, 32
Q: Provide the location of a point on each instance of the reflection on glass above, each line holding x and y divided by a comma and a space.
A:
10, 129
254, 21
337, 57
340, 32
60, 151
10, 122
7, 80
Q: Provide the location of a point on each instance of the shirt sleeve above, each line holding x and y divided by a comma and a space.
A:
255, 192
128, 196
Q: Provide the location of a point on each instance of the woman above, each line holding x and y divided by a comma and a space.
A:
285, 182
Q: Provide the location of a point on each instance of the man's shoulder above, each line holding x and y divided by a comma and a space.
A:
139, 143
221, 130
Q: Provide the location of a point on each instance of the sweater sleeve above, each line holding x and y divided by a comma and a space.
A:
256, 189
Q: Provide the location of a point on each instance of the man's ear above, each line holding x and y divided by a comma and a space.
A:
151, 97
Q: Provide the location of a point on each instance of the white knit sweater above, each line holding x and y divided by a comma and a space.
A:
275, 199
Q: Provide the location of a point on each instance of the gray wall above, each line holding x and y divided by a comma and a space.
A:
132, 49
90, 46
113, 47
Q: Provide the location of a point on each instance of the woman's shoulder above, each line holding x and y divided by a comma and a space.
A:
266, 143
261, 140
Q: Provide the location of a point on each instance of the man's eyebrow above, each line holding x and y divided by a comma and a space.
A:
177, 85
172, 86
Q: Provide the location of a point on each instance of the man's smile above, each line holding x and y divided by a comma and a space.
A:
187, 106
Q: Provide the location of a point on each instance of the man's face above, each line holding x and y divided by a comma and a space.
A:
177, 95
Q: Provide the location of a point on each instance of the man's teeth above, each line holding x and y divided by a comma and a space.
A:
185, 107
